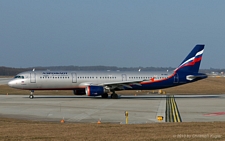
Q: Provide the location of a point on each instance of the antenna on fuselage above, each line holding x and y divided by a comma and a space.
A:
33, 69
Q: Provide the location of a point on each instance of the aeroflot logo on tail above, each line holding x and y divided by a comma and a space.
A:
198, 54
54, 73
193, 60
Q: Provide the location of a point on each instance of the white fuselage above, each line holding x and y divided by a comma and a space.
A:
46, 80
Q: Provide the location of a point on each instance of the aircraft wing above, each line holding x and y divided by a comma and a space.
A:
122, 84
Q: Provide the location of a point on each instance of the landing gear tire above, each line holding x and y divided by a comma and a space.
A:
114, 96
105, 95
31, 96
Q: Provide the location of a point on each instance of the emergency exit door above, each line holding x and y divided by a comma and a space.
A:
176, 78
74, 78
32, 77
124, 77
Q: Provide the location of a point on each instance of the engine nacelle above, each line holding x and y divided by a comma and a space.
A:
95, 90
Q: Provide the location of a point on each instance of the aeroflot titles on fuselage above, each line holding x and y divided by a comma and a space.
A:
54, 73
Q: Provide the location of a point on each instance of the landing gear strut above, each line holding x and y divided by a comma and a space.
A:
31, 96
114, 95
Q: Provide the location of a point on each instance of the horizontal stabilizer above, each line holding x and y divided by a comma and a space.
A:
192, 77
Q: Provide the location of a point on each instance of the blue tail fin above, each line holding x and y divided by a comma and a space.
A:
192, 62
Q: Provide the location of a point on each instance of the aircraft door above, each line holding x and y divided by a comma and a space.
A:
32, 77
74, 78
124, 77
176, 78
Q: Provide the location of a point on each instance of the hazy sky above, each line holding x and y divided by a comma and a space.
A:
123, 33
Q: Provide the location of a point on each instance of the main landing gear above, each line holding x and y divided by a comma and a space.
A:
31, 96
113, 95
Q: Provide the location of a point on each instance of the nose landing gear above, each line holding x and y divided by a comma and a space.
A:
31, 96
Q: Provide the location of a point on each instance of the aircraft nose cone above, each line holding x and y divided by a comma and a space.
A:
11, 83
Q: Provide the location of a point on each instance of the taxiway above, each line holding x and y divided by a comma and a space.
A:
141, 109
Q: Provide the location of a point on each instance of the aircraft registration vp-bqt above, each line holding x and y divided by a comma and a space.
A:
104, 82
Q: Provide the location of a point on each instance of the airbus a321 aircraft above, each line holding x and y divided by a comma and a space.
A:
104, 82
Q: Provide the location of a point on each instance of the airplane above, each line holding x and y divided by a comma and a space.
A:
101, 83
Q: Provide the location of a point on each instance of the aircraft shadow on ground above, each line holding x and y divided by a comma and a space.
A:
74, 97
127, 97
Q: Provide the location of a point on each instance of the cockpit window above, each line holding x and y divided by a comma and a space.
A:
21, 77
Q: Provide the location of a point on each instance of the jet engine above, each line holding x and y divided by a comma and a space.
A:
95, 90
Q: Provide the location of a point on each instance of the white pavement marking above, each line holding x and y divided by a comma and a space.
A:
162, 108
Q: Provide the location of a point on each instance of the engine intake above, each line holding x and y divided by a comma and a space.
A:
95, 90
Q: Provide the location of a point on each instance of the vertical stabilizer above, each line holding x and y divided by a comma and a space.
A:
192, 62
